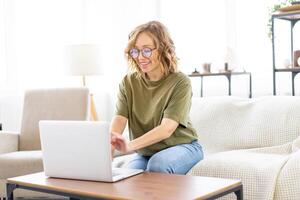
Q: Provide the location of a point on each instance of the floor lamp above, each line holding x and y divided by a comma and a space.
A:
84, 60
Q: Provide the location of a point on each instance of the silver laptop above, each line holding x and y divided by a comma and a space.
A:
79, 150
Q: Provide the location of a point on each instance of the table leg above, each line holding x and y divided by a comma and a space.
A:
10, 191
201, 91
293, 83
228, 76
229, 86
239, 193
250, 85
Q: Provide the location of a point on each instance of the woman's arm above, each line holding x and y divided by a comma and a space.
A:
118, 124
157, 134
117, 127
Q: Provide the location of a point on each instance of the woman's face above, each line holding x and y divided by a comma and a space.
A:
146, 55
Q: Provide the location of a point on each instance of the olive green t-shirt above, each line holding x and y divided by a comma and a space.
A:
145, 103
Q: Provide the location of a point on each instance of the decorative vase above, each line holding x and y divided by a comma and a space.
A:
296, 57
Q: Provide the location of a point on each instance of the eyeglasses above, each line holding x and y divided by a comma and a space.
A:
146, 52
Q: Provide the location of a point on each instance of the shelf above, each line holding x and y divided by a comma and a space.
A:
217, 74
292, 15
288, 69
228, 75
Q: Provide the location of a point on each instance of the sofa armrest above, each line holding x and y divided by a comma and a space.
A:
287, 184
9, 142
296, 144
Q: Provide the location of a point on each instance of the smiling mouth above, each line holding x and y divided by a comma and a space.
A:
144, 64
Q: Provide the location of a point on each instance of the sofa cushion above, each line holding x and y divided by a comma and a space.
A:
257, 168
57, 104
20, 163
228, 123
288, 184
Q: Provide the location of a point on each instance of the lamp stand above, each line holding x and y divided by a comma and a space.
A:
94, 115
83, 81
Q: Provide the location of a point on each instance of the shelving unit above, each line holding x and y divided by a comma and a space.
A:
227, 75
293, 17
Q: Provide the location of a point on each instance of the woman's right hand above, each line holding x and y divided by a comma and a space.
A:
117, 126
119, 143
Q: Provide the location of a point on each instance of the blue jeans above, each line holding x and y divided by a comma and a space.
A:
178, 159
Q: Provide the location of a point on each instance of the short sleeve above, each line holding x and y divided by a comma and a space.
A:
122, 101
179, 105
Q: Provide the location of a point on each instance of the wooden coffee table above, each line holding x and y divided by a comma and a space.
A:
143, 186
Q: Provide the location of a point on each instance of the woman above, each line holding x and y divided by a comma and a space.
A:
155, 100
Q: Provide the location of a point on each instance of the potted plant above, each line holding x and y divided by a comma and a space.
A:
274, 8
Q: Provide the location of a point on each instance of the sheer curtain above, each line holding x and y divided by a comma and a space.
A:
253, 47
109, 24
3, 34
200, 34
33, 34
198, 29
41, 30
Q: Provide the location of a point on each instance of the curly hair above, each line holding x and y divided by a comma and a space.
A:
163, 43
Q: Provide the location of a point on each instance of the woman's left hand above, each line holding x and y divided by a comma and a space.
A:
119, 142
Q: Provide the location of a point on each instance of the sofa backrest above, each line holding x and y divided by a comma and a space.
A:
227, 123
50, 104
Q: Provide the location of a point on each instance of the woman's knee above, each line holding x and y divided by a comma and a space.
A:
158, 165
136, 162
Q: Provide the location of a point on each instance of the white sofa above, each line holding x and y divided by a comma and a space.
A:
254, 140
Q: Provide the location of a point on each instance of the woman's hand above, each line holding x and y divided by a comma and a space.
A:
119, 143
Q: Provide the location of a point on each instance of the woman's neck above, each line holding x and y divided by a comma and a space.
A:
155, 75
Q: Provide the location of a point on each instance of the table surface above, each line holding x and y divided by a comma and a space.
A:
226, 73
143, 186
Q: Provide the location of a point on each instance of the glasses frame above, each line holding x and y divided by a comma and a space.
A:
141, 50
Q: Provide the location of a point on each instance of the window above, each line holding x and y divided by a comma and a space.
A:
198, 29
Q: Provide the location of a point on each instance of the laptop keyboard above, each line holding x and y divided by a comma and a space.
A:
116, 173
122, 171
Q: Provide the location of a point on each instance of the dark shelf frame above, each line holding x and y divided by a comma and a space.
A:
293, 17
227, 75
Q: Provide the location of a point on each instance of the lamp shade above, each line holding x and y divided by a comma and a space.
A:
83, 59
